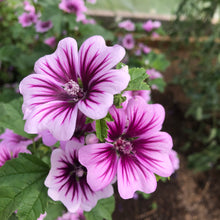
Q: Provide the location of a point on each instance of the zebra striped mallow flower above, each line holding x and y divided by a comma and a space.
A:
67, 182
69, 81
134, 151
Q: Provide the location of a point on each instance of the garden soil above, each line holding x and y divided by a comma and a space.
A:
187, 195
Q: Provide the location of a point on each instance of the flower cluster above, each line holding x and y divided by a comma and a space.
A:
71, 92
30, 17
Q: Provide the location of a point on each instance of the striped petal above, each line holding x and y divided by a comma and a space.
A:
116, 127
95, 57
143, 118
133, 176
153, 153
53, 116
62, 65
101, 163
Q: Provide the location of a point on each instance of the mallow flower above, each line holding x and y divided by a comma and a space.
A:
69, 81
134, 151
67, 180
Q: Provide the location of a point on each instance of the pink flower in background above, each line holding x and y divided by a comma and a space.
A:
128, 25
134, 151
128, 41
153, 74
148, 26
51, 41
43, 26
42, 216
91, 1
11, 145
28, 7
155, 35
74, 6
138, 52
144, 48
67, 180
27, 19
11, 139
156, 24
145, 94
78, 215
89, 21
67, 82
8, 153
174, 160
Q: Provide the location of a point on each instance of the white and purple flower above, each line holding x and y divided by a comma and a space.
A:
128, 25
74, 6
11, 145
134, 151
43, 26
51, 41
128, 41
67, 81
27, 19
67, 180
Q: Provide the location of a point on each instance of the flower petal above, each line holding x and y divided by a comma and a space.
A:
153, 153
58, 187
96, 105
116, 127
62, 65
100, 161
95, 56
132, 176
112, 81
143, 118
53, 116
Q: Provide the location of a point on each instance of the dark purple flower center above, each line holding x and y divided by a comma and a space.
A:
29, 18
45, 24
72, 175
72, 89
72, 7
123, 146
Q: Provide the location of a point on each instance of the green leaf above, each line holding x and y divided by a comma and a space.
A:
54, 210
12, 117
103, 210
88, 30
101, 129
118, 99
158, 61
138, 78
22, 187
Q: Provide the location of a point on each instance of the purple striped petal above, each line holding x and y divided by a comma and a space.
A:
143, 118
96, 105
61, 187
112, 81
53, 116
99, 97
153, 153
95, 57
47, 107
116, 127
133, 176
67, 180
101, 163
62, 65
